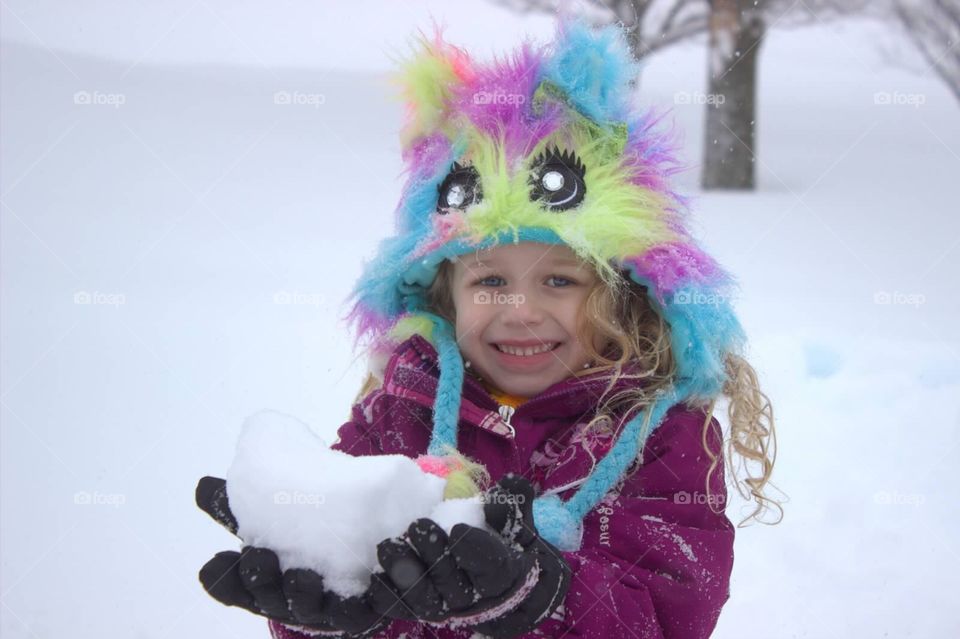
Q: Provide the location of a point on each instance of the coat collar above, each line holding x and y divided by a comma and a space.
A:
413, 372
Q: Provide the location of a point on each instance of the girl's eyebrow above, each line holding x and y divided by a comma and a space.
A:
553, 262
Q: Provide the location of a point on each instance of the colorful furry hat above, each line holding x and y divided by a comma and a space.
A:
545, 146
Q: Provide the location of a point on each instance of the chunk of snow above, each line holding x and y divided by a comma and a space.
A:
324, 509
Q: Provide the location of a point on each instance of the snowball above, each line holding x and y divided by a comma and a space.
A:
326, 510
455, 511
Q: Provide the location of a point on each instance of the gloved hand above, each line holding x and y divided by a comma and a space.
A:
500, 585
252, 579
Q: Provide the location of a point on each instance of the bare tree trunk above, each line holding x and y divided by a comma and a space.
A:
934, 27
736, 33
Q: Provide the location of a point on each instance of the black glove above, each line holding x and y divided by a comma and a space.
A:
252, 579
500, 585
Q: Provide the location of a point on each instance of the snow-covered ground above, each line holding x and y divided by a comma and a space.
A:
176, 247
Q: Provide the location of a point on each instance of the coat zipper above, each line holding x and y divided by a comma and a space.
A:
506, 412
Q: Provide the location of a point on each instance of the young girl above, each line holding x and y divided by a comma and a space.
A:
544, 326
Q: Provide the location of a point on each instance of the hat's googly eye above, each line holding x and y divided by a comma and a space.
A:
552, 181
556, 180
459, 189
456, 195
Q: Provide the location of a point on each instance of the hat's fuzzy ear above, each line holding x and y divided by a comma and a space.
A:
428, 79
594, 68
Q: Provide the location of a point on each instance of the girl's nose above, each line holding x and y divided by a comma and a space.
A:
523, 310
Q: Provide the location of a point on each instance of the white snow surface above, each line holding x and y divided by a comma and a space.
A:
324, 509
212, 235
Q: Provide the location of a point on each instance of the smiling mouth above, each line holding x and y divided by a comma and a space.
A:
528, 351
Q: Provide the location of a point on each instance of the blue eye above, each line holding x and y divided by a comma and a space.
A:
563, 279
498, 281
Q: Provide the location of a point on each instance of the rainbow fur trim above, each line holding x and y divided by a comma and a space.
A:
574, 93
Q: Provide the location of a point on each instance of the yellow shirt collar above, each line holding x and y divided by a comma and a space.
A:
504, 398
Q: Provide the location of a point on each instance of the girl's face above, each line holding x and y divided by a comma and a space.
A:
517, 307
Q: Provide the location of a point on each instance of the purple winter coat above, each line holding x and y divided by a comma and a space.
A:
655, 560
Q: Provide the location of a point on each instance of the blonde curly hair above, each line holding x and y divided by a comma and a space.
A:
621, 314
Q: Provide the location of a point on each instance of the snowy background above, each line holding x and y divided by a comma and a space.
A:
176, 248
